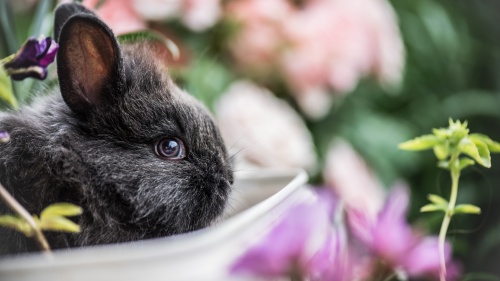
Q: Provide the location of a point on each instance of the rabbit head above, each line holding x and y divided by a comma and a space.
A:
149, 160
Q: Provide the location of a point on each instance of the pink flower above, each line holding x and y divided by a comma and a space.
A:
125, 16
320, 46
353, 180
260, 34
119, 15
201, 14
303, 244
263, 130
391, 239
197, 15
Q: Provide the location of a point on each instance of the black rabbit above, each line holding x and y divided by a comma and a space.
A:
142, 157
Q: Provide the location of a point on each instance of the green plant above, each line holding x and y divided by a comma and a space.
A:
52, 218
455, 150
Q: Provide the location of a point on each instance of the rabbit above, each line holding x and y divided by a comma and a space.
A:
142, 157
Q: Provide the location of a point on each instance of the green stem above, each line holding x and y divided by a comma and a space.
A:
455, 175
6, 59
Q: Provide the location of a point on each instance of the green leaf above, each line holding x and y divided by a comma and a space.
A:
421, 143
478, 150
16, 223
207, 79
484, 153
438, 200
99, 4
458, 130
8, 28
151, 35
42, 10
465, 162
467, 209
441, 133
6, 93
61, 210
432, 208
58, 224
441, 151
493, 146
450, 122
444, 165
480, 276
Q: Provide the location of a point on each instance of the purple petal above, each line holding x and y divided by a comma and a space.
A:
361, 226
392, 235
396, 204
392, 241
30, 48
42, 47
4, 136
281, 248
389, 237
331, 262
327, 199
26, 56
50, 53
325, 258
299, 242
32, 59
423, 259
259, 262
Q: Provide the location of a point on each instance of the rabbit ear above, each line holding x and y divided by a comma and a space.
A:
89, 63
63, 13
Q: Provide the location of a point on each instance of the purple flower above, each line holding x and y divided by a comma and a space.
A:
303, 244
32, 59
393, 240
4, 136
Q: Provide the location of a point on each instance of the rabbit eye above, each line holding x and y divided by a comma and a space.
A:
171, 148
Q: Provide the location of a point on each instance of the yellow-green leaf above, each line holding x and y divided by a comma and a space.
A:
467, 209
61, 209
431, 208
441, 133
444, 164
16, 223
465, 162
420, 143
6, 93
493, 146
441, 151
478, 150
451, 123
58, 224
484, 153
438, 200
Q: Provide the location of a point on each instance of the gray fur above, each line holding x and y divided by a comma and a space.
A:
104, 161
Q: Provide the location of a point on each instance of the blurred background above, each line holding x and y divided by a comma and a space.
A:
331, 86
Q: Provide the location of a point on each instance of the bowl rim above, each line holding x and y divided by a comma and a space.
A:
182, 244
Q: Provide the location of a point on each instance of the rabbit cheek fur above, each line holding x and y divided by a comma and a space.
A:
93, 145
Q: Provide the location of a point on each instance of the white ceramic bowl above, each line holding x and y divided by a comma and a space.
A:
258, 200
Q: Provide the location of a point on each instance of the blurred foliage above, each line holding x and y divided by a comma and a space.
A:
452, 70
